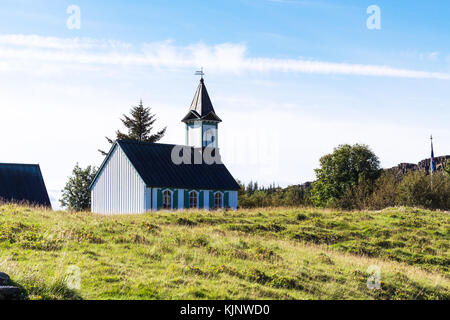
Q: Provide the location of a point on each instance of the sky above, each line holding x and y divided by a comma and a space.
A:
290, 79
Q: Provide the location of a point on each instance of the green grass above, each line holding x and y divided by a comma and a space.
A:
283, 253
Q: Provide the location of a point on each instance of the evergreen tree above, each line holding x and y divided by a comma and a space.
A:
76, 195
249, 189
139, 125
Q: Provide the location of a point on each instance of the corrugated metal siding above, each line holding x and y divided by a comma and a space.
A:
233, 199
206, 199
181, 199
148, 199
154, 198
119, 188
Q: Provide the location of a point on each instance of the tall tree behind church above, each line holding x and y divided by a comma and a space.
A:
139, 125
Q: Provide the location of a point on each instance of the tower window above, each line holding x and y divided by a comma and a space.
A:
193, 199
167, 200
218, 200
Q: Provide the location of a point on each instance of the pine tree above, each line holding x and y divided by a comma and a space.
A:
76, 195
139, 125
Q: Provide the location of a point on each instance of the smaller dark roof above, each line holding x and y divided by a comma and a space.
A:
153, 163
201, 107
23, 183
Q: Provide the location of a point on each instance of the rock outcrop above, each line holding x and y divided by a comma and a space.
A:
4, 279
424, 165
8, 292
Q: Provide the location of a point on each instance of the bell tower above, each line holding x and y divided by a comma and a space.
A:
201, 121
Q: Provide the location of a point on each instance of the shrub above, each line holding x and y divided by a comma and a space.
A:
356, 196
415, 190
385, 193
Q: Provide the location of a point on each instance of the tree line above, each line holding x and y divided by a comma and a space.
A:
351, 178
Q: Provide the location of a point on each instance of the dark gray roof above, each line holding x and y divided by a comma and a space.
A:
23, 183
154, 164
201, 106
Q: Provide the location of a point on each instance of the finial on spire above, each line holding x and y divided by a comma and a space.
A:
200, 73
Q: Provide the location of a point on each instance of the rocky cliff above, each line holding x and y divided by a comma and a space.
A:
424, 165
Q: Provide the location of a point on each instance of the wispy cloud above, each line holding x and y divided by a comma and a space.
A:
225, 57
35, 41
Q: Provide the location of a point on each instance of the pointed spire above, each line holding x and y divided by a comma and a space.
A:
201, 103
201, 107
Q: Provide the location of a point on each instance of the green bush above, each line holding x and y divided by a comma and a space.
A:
416, 190
385, 193
356, 197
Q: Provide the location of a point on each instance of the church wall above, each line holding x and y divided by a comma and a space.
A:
195, 134
119, 188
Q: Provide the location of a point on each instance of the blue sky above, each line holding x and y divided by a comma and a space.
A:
290, 79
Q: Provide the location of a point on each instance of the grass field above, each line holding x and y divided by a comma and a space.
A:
290, 253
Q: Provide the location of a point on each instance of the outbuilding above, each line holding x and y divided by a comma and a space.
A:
23, 183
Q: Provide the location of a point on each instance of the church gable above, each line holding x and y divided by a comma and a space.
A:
118, 188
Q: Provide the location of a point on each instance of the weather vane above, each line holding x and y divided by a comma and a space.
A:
200, 73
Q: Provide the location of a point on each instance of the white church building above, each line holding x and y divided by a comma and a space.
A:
137, 177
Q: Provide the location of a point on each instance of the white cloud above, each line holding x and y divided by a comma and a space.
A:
225, 57
37, 41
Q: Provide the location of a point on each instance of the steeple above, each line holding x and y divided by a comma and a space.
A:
201, 120
201, 107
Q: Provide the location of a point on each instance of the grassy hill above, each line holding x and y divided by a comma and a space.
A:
249, 254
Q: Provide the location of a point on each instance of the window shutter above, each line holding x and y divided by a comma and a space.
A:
159, 199
211, 200
186, 199
201, 205
226, 200
175, 199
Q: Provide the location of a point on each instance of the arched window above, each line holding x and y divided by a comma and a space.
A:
167, 200
193, 199
218, 200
